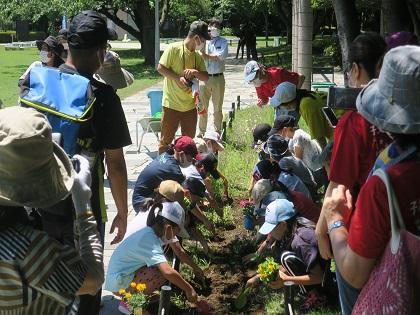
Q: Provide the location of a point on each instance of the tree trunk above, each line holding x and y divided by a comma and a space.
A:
348, 26
305, 41
266, 27
414, 9
393, 16
285, 13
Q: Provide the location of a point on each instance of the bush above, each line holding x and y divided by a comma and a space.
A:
333, 50
227, 31
6, 37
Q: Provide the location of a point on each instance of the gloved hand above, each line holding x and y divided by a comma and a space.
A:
81, 191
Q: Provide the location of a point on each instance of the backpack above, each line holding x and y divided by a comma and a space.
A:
66, 99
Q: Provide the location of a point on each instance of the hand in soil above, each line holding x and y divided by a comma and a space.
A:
278, 283
191, 296
249, 258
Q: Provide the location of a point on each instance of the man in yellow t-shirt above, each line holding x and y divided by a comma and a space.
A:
180, 64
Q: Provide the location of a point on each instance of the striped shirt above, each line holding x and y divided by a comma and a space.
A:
38, 275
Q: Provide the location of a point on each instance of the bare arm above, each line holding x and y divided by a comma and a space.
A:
117, 173
313, 277
186, 259
225, 185
168, 73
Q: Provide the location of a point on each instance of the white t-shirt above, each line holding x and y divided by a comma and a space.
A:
310, 148
191, 171
139, 222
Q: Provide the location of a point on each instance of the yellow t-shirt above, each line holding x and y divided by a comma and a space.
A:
178, 58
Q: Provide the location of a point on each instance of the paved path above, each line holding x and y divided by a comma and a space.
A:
137, 106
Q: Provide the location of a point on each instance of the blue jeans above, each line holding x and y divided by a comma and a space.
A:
348, 294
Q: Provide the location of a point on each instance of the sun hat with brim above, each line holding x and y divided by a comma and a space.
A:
278, 211
174, 212
392, 101
260, 190
215, 136
250, 71
171, 190
53, 44
34, 171
285, 93
112, 74
201, 145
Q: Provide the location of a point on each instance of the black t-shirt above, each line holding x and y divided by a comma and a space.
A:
164, 167
107, 129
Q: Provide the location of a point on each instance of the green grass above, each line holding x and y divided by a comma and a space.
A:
13, 64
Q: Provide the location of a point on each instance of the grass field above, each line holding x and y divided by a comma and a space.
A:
13, 64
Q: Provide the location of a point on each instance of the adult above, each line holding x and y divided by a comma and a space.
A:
112, 73
40, 275
164, 167
289, 100
50, 54
180, 64
265, 80
140, 257
357, 142
250, 42
214, 56
390, 103
241, 41
102, 137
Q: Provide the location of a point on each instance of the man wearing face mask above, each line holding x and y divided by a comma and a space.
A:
103, 135
266, 80
214, 55
165, 167
181, 64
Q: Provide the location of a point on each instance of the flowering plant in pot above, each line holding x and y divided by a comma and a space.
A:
135, 297
248, 213
268, 270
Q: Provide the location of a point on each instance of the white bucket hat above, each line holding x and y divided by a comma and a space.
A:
392, 102
215, 136
112, 73
34, 171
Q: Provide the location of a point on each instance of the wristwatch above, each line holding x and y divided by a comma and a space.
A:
335, 225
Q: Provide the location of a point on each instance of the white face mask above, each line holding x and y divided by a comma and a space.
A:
214, 32
199, 46
43, 56
257, 82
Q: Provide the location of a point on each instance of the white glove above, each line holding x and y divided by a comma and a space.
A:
81, 191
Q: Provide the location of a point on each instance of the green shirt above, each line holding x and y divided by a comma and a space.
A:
177, 58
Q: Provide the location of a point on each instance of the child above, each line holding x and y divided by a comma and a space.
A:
140, 256
297, 249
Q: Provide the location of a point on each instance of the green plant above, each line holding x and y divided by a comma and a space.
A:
178, 299
135, 297
273, 305
268, 270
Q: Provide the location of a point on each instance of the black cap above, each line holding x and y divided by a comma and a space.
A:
88, 29
277, 146
209, 162
200, 28
260, 132
266, 170
53, 43
195, 186
281, 122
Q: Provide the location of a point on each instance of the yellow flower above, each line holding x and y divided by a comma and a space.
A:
141, 287
121, 291
133, 284
128, 295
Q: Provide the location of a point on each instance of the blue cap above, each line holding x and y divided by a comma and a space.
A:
277, 211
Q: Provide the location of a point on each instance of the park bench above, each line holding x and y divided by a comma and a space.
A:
323, 71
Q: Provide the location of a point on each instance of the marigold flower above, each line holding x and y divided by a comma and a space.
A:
141, 287
121, 291
128, 295
133, 284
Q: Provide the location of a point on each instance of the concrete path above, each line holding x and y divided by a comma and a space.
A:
137, 106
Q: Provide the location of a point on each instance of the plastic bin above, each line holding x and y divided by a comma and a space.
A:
155, 98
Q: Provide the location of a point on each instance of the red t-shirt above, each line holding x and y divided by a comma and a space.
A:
357, 143
305, 206
276, 75
370, 227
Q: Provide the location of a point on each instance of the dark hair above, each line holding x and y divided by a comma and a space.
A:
10, 216
367, 50
57, 60
405, 140
155, 219
279, 186
170, 150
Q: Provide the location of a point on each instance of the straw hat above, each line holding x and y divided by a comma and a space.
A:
112, 74
34, 171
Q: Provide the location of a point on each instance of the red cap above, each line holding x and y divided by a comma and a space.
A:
187, 145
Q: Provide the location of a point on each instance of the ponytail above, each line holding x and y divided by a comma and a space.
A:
153, 217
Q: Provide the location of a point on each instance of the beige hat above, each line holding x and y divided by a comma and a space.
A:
171, 190
34, 171
201, 145
112, 74
260, 190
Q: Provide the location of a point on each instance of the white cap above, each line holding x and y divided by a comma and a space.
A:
250, 70
213, 135
285, 93
277, 211
173, 212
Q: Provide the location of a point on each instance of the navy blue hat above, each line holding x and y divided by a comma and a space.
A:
281, 122
88, 29
277, 146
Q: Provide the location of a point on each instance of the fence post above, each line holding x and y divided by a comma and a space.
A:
165, 300
289, 298
230, 119
233, 110
224, 131
238, 102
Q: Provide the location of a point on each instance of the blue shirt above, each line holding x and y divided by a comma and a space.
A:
164, 167
142, 248
217, 47
294, 183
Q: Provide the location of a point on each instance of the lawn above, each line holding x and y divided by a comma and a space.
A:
13, 64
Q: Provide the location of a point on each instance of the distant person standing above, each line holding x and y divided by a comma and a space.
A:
180, 64
214, 56
241, 42
251, 42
